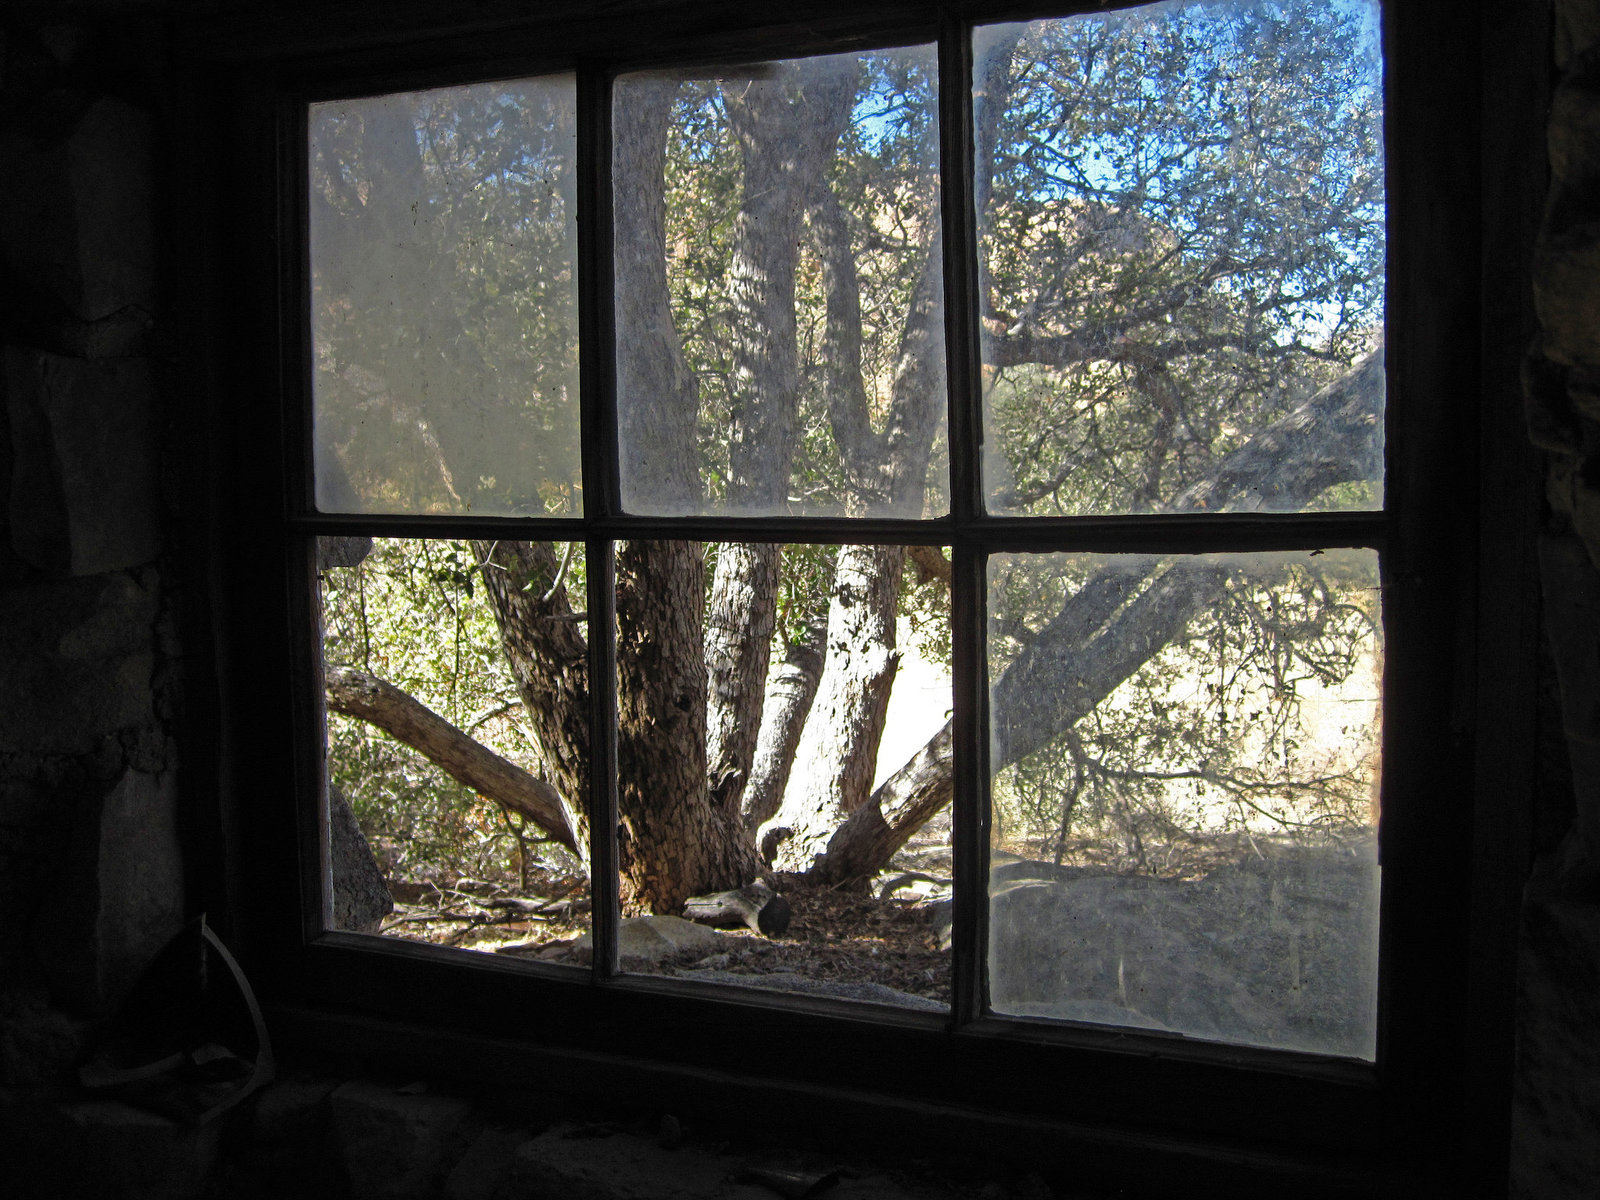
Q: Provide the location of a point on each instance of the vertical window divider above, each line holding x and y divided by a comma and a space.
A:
969, 739
601, 496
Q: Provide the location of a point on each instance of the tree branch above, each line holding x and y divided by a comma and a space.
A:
1100, 637
467, 761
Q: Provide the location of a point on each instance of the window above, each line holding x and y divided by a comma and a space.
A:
692, 390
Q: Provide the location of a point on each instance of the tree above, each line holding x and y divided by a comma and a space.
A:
1180, 215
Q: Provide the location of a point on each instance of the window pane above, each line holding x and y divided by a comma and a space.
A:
1181, 219
779, 299
766, 696
444, 301
1185, 794
460, 750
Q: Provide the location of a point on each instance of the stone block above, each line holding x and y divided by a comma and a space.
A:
575, 1162
396, 1145
1577, 30
77, 213
286, 1153
1556, 1105
486, 1169
651, 939
1566, 291
1574, 143
292, 1111
120, 897
84, 495
79, 658
104, 1149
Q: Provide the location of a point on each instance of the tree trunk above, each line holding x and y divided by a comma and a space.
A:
458, 754
657, 397
738, 644
838, 749
790, 691
548, 655
1118, 621
674, 842
788, 128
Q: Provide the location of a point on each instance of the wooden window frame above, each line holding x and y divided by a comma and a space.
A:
1120, 1106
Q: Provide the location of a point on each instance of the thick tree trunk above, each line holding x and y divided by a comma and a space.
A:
545, 647
674, 841
788, 128
465, 760
657, 397
838, 750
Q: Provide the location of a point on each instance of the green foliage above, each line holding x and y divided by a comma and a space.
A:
413, 615
1262, 718
1185, 219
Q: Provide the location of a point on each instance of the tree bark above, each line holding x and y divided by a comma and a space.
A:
838, 749
791, 689
738, 644
464, 759
674, 841
548, 655
788, 128
657, 397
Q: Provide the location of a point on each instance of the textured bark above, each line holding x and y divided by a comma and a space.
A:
838, 749
790, 691
738, 643
657, 398
788, 129
1120, 619
456, 753
548, 655
674, 841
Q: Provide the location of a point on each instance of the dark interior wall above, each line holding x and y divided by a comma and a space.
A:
91, 872
1556, 1122
98, 604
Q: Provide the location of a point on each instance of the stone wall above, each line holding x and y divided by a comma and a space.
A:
91, 874
1556, 1113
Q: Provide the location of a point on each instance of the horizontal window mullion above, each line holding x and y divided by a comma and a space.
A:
1183, 533
1180, 534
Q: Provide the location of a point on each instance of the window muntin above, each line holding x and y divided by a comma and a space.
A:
968, 540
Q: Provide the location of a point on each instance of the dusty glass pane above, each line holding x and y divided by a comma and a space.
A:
774, 706
779, 297
1185, 757
1181, 224
456, 754
444, 301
